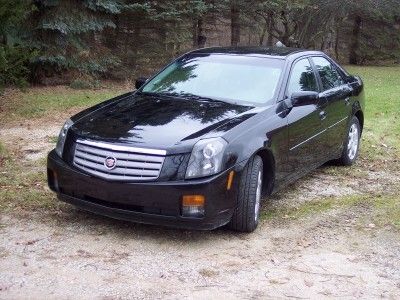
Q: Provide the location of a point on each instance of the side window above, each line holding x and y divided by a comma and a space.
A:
330, 77
302, 78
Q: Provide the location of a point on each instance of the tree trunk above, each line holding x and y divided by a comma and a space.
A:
235, 25
270, 29
199, 39
262, 35
337, 41
194, 33
355, 41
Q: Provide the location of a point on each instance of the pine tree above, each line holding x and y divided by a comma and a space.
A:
69, 36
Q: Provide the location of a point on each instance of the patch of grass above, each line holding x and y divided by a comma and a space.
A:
3, 151
311, 207
304, 210
82, 84
383, 209
40, 102
23, 186
3, 156
53, 139
387, 211
382, 113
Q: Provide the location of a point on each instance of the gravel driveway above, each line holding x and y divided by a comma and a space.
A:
68, 254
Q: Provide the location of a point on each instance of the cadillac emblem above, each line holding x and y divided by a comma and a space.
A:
110, 162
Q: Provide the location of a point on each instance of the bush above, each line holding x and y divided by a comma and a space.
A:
14, 65
82, 84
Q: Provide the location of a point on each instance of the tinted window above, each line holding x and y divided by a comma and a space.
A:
302, 78
230, 78
329, 75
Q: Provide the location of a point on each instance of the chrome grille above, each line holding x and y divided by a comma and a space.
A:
131, 163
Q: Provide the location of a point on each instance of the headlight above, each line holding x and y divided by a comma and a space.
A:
62, 136
206, 158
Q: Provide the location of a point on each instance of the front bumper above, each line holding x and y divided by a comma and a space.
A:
151, 202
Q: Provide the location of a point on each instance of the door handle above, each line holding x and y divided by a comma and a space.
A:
347, 101
322, 115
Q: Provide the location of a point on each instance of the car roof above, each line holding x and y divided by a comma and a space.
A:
277, 52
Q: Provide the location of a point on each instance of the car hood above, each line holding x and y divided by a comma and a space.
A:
157, 121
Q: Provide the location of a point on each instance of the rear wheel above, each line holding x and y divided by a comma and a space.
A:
246, 215
352, 143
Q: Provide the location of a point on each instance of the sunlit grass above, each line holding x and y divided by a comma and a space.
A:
42, 102
382, 113
382, 210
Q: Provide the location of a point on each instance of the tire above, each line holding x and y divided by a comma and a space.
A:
246, 215
352, 143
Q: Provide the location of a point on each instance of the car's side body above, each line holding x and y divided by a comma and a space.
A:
291, 140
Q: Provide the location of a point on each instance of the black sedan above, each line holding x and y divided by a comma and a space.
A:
199, 144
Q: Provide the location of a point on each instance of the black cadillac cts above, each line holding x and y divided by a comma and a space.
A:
197, 145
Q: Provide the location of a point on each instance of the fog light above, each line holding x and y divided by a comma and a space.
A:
52, 180
193, 206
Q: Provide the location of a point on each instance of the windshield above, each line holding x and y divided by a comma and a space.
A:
235, 79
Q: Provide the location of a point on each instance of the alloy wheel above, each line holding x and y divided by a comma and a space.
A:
353, 141
258, 196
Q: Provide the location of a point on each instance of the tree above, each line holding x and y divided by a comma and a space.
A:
15, 54
378, 16
69, 36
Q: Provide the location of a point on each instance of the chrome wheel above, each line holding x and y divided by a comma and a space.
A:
353, 141
258, 196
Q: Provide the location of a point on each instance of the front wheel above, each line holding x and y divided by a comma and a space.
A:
246, 215
352, 143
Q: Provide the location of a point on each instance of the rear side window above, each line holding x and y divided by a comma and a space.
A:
302, 78
330, 77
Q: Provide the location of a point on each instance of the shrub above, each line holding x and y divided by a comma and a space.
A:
14, 65
82, 84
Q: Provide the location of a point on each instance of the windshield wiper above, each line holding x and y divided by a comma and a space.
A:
200, 98
187, 96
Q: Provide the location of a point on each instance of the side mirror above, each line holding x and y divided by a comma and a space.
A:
139, 82
351, 79
304, 98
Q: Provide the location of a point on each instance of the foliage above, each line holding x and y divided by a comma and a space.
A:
14, 65
11, 14
14, 54
116, 38
82, 84
69, 36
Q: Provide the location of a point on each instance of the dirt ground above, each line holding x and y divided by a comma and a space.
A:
324, 254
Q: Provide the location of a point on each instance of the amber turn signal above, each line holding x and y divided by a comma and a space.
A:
230, 180
193, 200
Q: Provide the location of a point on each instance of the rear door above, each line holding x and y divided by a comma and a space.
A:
337, 106
305, 128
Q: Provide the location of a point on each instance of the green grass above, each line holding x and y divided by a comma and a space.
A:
42, 102
382, 210
321, 205
3, 150
387, 211
38, 105
23, 185
304, 210
382, 113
